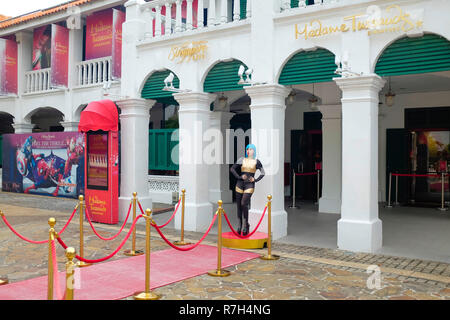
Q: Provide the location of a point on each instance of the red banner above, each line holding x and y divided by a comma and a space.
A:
99, 33
42, 47
8, 67
59, 56
118, 20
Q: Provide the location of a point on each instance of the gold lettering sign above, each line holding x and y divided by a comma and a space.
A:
195, 50
398, 20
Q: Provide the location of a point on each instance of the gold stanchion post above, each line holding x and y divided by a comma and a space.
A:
181, 242
133, 251
51, 237
269, 255
219, 272
3, 281
70, 271
82, 264
147, 294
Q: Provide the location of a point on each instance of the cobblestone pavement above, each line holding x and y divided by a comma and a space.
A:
301, 273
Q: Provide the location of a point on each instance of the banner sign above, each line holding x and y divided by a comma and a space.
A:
59, 56
8, 67
118, 20
42, 47
99, 34
48, 163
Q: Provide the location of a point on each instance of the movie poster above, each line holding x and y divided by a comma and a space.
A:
118, 20
42, 47
50, 163
99, 34
8, 66
59, 56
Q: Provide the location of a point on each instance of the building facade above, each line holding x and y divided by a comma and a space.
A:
332, 82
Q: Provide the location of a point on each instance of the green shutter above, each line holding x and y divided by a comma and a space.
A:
430, 53
309, 67
294, 3
224, 77
161, 148
154, 85
243, 9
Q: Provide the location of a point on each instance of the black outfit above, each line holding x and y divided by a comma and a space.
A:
245, 188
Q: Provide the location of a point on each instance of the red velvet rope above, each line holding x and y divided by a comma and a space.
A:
185, 248
115, 236
61, 242
32, 241
417, 175
250, 234
306, 174
171, 218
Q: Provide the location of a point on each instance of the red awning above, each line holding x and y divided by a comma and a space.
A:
99, 115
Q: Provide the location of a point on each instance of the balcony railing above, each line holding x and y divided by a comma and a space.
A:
169, 23
38, 80
292, 4
95, 71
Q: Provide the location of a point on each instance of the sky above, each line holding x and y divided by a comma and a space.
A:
14, 8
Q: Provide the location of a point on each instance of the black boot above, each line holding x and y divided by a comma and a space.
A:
240, 227
246, 228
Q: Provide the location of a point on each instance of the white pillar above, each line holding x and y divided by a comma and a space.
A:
219, 185
194, 118
70, 125
268, 118
134, 120
212, 13
23, 127
330, 202
359, 228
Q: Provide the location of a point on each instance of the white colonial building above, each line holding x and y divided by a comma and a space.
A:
338, 82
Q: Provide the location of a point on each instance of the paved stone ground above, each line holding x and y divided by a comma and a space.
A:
301, 273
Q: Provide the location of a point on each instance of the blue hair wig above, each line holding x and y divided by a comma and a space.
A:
250, 146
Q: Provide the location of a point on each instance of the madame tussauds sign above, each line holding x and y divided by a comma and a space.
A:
394, 19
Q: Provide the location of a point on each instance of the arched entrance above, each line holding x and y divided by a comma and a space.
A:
414, 139
46, 119
230, 111
310, 75
163, 137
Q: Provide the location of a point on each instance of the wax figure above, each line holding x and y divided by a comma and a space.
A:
245, 184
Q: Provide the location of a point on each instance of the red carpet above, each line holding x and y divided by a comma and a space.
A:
121, 278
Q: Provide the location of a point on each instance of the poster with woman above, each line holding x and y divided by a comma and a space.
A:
42, 47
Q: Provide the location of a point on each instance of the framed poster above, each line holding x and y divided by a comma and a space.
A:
97, 164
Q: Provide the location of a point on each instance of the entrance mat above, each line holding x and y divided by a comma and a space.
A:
122, 278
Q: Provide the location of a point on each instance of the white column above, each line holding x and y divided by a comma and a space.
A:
24, 59
359, 228
23, 127
70, 126
200, 14
268, 119
212, 13
219, 173
223, 11
134, 120
189, 25
194, 119
330, 202
168, 26
178, 20
158, 31
237, 10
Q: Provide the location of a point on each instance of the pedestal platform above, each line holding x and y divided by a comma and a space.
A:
257, 241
